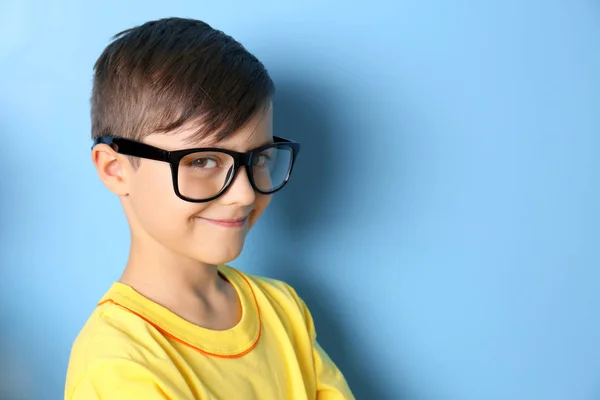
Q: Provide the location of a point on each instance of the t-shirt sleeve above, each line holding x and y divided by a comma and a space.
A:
118, 381
331, 384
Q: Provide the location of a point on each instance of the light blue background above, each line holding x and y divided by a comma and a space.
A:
443, 223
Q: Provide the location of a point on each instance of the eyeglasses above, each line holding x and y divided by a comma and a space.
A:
204, 174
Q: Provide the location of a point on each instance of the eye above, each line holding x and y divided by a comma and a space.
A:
261, 160
204, 163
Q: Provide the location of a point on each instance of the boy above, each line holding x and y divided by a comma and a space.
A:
182, 129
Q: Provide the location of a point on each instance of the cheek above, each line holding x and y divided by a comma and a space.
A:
157, 207
260, 204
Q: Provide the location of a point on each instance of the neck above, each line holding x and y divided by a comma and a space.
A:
167, 277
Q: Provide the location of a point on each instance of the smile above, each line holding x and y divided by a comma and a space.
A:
227, 223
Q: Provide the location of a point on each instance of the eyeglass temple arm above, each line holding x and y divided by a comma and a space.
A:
135, 149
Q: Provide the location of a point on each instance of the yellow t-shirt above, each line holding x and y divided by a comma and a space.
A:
133, 348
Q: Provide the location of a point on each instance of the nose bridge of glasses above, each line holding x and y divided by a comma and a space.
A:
241, 160
245, 158
236, 172
239, 181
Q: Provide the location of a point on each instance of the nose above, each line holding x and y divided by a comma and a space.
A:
240, 191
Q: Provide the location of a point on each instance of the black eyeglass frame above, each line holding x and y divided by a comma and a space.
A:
173, 158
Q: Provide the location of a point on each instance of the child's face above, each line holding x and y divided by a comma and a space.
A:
204, 232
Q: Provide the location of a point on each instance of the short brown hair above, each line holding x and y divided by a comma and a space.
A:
163, 74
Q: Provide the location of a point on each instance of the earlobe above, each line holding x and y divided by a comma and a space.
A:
110, 169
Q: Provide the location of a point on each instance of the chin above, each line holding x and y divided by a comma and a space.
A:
219, 258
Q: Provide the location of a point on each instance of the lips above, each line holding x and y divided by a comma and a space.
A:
227, 223
233, 221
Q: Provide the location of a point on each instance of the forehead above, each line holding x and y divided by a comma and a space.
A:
256, 132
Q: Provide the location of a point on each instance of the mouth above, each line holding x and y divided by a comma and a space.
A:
227, 223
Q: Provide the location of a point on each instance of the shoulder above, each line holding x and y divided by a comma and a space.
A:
113, 341
110, 330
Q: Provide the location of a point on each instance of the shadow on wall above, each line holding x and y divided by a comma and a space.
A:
307, 204
16, 382
16, 379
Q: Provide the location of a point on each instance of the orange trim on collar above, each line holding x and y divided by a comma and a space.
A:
164, 332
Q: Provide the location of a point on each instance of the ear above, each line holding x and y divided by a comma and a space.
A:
111, 169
